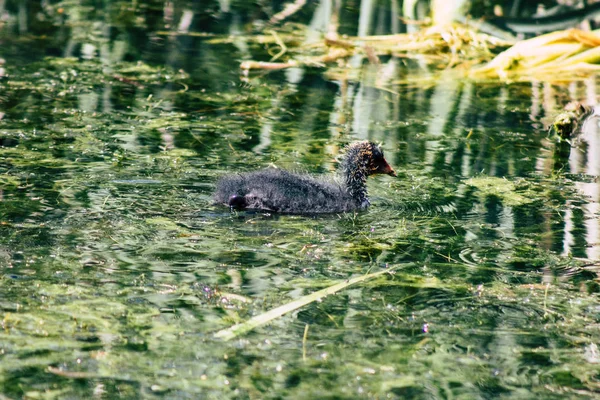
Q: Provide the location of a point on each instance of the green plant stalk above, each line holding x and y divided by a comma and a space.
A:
255, 322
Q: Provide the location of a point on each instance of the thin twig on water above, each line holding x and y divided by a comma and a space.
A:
252, 323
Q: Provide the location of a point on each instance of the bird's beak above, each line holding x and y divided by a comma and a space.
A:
385, 168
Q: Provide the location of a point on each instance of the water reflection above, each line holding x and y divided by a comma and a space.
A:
113, 257
583, 161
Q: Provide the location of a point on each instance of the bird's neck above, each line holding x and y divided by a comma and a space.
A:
355, 177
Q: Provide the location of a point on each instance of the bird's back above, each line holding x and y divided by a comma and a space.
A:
282, 191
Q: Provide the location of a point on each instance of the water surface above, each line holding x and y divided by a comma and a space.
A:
116, 268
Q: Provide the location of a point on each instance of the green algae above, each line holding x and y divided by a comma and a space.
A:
504, 189
116, 268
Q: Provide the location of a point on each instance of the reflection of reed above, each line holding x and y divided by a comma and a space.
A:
452, 127
585, 159
581, 155
454, 109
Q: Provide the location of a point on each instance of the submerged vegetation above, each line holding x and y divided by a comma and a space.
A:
474, 273
570, 122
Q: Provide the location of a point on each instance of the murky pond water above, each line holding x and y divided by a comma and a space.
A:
116, 268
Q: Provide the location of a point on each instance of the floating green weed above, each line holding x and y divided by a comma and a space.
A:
502, 188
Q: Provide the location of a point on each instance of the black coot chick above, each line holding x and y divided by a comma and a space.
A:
277, 190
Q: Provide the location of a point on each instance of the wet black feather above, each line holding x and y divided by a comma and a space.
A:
281, 191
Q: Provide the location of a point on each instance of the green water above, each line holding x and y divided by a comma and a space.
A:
116, 269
